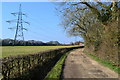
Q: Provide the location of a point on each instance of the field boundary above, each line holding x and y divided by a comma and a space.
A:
56, 71
24, 67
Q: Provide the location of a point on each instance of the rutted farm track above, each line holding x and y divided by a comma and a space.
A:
79, 65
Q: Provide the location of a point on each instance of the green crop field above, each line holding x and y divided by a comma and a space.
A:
22, 50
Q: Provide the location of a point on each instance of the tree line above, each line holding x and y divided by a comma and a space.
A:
97, 22
10, 42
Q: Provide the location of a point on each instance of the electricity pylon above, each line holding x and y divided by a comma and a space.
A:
19, 27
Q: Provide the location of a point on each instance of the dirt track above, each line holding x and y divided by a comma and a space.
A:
79, 65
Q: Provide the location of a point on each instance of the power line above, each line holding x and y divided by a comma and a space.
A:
36, 33
19, 27
19, 32
41, 28
34, 36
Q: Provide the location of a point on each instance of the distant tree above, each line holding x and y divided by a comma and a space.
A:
9, 42
53, 43
0, 42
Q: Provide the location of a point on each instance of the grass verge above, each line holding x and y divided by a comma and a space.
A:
56, 71
105, 63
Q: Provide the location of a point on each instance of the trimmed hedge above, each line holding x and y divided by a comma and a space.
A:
32, 66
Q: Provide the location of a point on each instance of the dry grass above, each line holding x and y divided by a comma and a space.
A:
22, 50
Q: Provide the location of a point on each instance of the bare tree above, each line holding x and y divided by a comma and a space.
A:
96, 22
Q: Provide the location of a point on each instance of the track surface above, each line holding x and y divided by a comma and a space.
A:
79, 65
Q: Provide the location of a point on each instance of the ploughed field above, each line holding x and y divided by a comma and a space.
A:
22, 50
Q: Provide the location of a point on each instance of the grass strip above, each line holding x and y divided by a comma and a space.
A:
105, 63
56, 71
